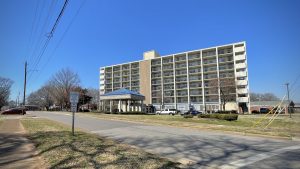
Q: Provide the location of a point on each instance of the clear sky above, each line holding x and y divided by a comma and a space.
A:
106, 32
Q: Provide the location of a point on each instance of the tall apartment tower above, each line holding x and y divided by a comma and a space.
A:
200, 78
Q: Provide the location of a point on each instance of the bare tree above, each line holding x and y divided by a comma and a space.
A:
263, 97
227, 90
94, 93
61, 84
5, 86
255, 96
41, 97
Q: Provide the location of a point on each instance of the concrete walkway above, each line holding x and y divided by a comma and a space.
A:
16, 151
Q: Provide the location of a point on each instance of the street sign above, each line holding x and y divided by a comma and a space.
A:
73, 107
74, 97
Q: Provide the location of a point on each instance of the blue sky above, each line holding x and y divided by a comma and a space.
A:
108, 32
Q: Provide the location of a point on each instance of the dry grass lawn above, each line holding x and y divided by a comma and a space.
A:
61, 150
282, 126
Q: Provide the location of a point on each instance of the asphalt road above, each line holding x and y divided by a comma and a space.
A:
201, 149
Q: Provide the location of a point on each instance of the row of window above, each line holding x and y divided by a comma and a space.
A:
193, 99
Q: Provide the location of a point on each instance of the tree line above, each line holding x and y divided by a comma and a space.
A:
5, 87
263, 97
54, 94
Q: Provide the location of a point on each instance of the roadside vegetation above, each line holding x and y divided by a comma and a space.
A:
282, 126
1, 120
60, 149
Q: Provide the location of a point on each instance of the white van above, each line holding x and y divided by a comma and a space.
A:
167, 111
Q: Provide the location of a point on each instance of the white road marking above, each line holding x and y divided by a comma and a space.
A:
59, 113
258, 157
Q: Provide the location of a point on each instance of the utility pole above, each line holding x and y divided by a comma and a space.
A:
25, 79
18, 101
288, 94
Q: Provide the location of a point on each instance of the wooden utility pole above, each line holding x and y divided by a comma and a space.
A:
288, 94
25, 79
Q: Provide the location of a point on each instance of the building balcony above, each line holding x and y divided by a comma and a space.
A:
225, 54
168, 81
156, 88
210, 63
168, 74
242, 82
241, 74
243, 99
194, 57
240, 65
240, 57
168, 67
116, 70
195, 85
239, 49
192, 78
135, 67
221, 61
242, 91
195, 64
180, 60
181, 94
155, 70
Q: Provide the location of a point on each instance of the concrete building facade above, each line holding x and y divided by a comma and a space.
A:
200, 78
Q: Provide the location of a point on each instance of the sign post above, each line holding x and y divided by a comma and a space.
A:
74, 97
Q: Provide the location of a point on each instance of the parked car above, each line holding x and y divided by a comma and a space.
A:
20, 111
192, 112
264, 110
167, 111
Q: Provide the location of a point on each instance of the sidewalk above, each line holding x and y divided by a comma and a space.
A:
16, 151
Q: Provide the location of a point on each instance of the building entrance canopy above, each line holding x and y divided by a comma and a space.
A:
127, 100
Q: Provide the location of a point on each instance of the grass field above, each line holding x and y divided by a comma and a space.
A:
1, 119
61, 150
282, 126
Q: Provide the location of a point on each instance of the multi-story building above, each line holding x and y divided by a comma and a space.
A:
199, 78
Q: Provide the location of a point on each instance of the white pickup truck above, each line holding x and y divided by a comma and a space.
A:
166, 111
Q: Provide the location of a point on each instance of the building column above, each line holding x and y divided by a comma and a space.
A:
110, 106
142, 104
135, 106
126, 105
119, 105
101, 105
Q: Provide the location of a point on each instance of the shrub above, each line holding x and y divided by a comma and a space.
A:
188, 116
126, 113
132, 113
204, 115
228, 117
255, 112
227, 112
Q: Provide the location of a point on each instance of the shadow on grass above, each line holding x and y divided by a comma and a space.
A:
62, 150
206, 151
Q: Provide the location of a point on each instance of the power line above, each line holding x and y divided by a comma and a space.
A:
43, 29
50, 35
294, 91
61, 39
295, 82
29, 46
34, 43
